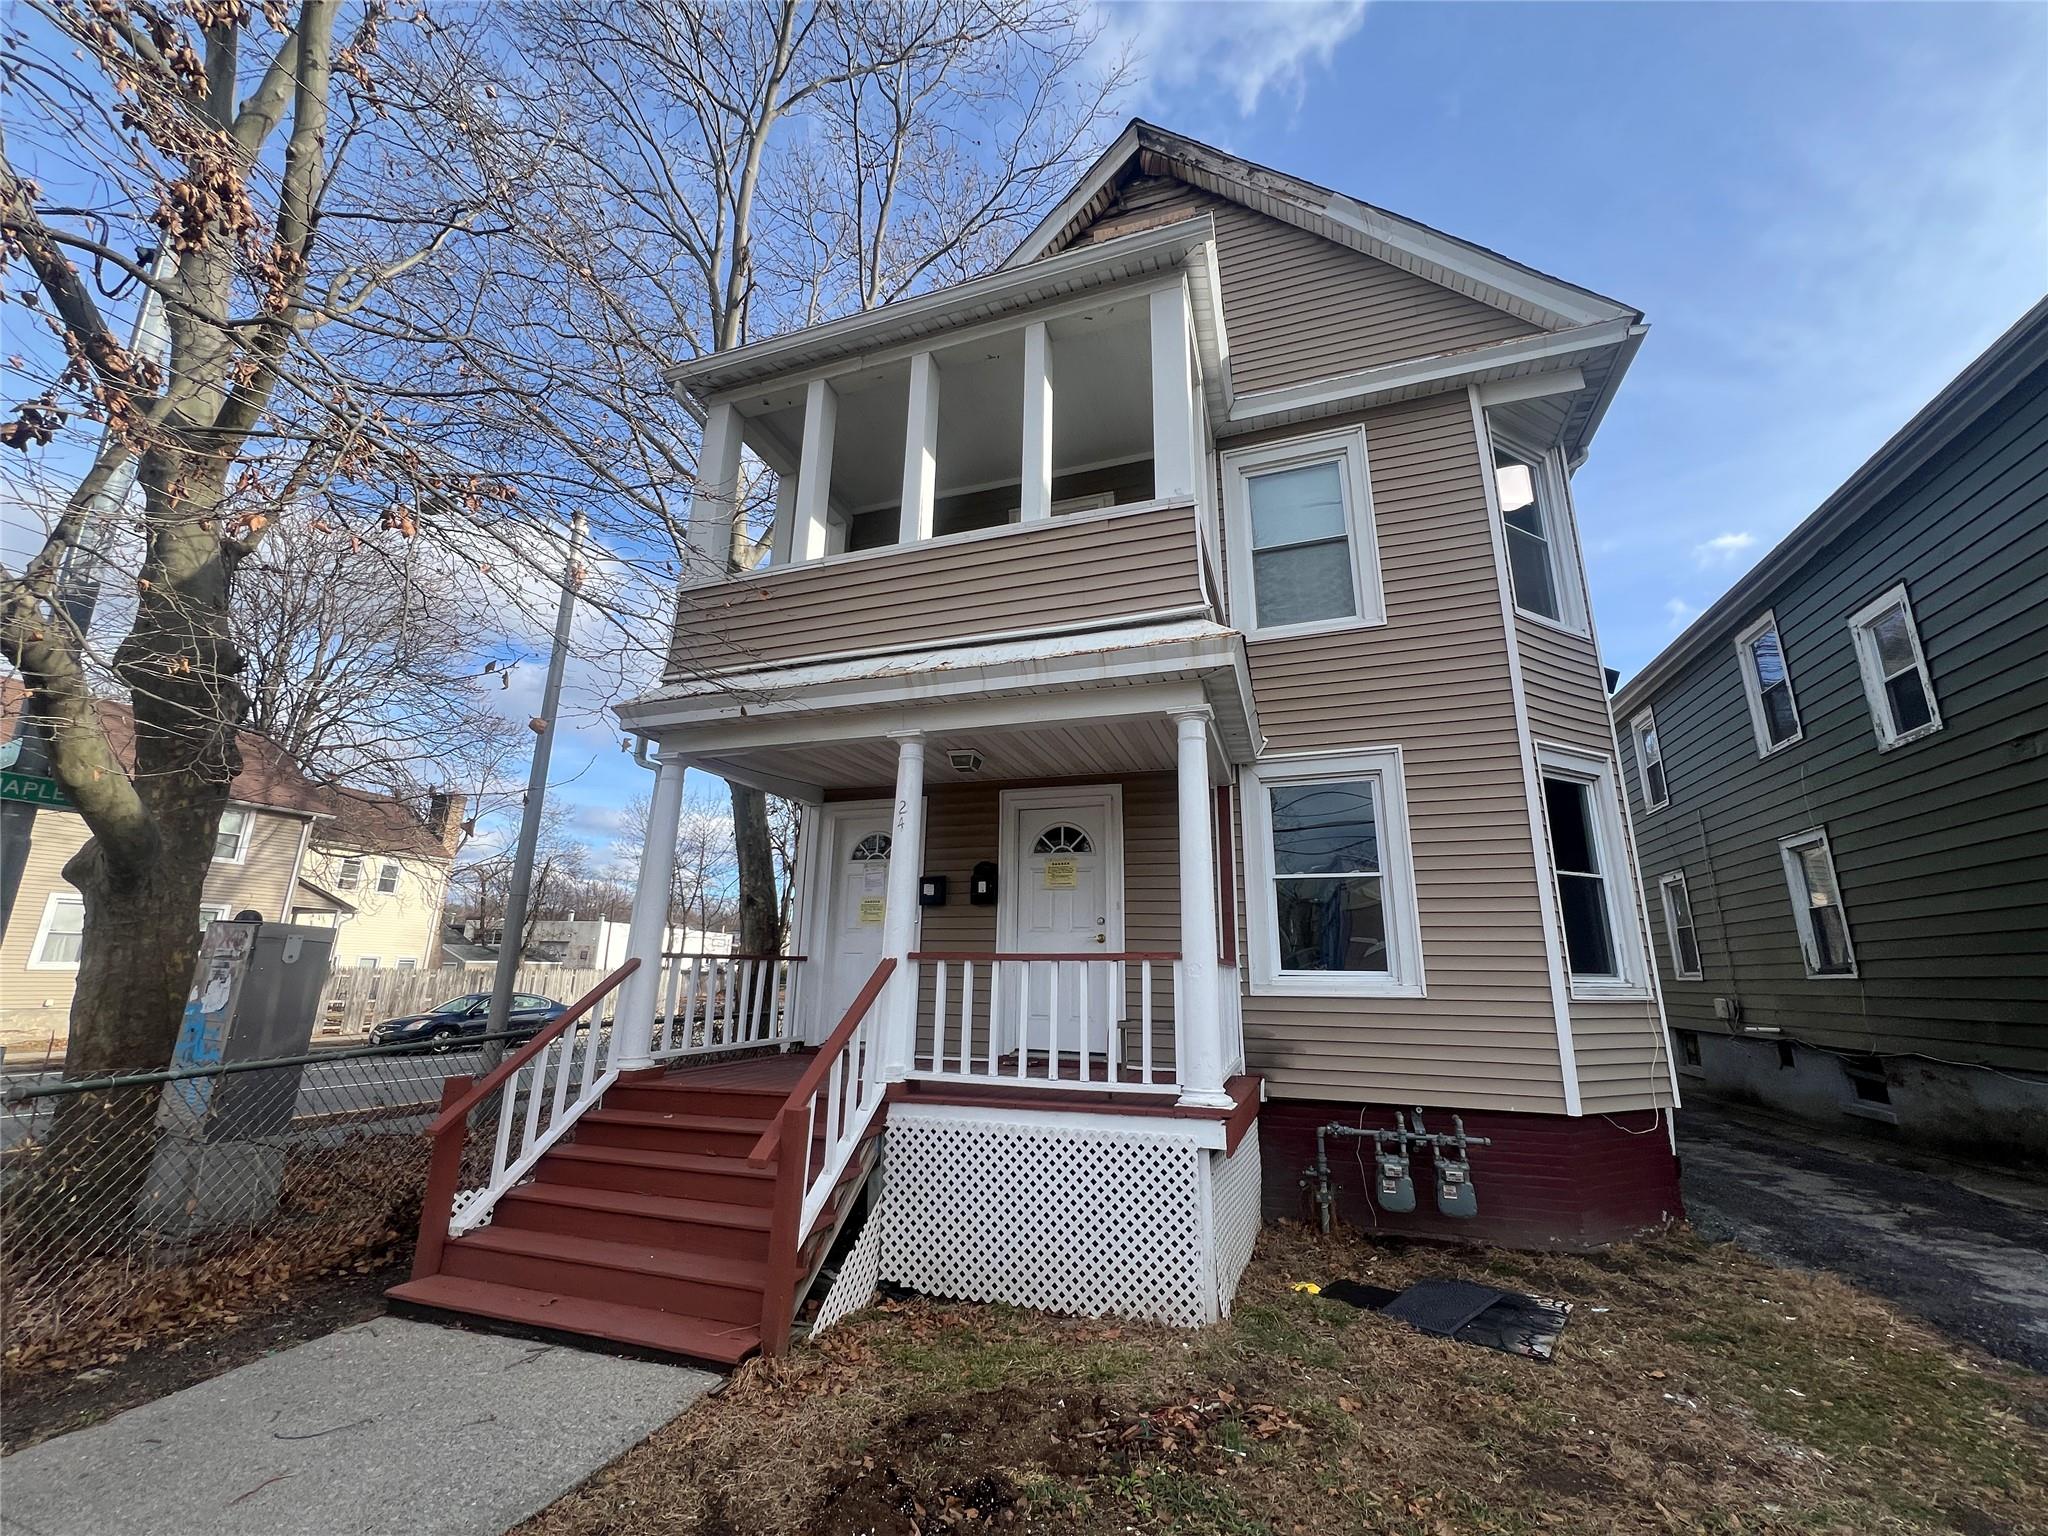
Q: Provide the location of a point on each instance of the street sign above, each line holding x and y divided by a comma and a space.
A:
32, 790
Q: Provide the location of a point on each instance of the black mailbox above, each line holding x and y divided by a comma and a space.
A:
981, 890
931, 890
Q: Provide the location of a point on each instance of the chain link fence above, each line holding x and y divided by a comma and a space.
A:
130, 1203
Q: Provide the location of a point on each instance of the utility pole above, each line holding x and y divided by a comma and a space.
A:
78, 590
512, 942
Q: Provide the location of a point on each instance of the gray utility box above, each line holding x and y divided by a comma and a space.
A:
222, 1139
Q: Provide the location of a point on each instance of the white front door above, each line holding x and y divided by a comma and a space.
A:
1065, 897
857, 882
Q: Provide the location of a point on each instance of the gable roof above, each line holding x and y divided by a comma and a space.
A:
363, 822
1989, 377
1146, 149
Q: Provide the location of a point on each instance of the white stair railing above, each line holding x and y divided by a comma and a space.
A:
1045, 1020
705, 1004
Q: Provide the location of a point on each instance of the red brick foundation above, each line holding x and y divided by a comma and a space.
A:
1548, 1181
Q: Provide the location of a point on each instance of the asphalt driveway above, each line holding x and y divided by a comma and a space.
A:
1964, 1248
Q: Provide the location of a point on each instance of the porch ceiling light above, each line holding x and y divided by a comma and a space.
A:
964, 760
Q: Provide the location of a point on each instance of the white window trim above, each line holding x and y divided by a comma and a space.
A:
389, 867
1554, 497
1678, 970
341, 879
1753, 686
1795, 892
1405, 976
1616, 873
35, 961
220, 911
1872, 667
1347, 448
1642, 718
248, 835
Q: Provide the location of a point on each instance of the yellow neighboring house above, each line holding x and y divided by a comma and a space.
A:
380, 875
288, 848
264, 832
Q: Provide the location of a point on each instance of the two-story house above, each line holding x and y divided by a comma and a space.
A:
378, 871
1841, 793
1178, 643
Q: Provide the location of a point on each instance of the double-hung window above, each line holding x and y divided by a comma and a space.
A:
61, 936
1301, 512
231, 838
387, 879
1767, 684
1330, 888
1895, 677
1650, 760
1543, 561
1678, 924
1582, 814
348, 874
1817, 904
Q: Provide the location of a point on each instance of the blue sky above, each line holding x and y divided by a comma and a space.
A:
1824, 210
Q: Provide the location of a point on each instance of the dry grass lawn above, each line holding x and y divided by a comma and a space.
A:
1696, 1389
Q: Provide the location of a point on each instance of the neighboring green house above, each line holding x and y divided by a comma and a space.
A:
1839, 780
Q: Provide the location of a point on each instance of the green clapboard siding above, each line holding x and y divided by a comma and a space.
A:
1941, 845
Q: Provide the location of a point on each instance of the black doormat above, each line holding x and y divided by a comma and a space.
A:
1472, 1314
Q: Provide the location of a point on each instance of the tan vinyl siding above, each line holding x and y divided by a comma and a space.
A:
1298, 307
1065, 573
33, 996
1619, 1045
1434, 681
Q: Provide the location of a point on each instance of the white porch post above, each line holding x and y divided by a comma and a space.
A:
716, 494
920, 451
814, 473
899, 915
1194, 1002
1036, 486
1173, 384
782, 541
633, 1024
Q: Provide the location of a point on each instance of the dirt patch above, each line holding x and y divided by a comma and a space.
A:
1696, 1389
46, 1404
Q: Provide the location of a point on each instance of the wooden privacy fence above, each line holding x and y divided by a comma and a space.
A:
357, 997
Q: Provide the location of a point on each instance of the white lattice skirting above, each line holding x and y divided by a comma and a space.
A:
855, 1286
1068, 1212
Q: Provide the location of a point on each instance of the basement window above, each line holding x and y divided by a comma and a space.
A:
1867, 1080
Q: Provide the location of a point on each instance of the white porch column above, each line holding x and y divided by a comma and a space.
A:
1173, 385
1036, 486
633, 1024
1195, 1003
782, 541
899, 915
716, 494
814, 474
920, 451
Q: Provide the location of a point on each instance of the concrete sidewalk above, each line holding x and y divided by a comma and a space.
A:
389, 1428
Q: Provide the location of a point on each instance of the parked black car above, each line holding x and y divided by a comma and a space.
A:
466, 1015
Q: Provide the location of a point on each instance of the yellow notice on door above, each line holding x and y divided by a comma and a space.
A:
871, 909
1061, 873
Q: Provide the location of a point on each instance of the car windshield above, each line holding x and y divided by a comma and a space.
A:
458, 1004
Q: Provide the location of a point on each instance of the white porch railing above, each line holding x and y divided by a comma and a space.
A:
704, 1004
535, 1095
1044, 1020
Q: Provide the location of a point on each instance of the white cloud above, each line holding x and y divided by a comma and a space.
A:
1244, 50
1679, 611
1723, 548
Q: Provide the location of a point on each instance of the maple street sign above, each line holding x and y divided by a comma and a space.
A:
31, 790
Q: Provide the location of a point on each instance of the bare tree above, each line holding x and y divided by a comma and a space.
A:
561, 870
201, 152
371, 660
704, 878
689, 175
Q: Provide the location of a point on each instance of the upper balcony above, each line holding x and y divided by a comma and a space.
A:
1016, 456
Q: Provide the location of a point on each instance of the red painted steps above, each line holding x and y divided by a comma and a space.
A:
647, 1226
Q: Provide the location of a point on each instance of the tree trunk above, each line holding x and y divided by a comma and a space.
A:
760, 912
